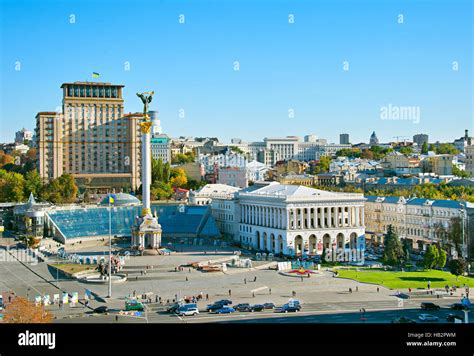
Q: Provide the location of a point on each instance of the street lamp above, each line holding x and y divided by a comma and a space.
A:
110, 247
462, 212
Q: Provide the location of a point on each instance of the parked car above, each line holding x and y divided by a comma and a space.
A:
403, 320
257, 308
224, 302
187, 311
429, 306
452, 317
214, 307
428, 317
242, 307
134, 305
458, 306
268, 305
287, 308
101, 310
225, 310
173, 308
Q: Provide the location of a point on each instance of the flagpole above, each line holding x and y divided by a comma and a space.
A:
110, 249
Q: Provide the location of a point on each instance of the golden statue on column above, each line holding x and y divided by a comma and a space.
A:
146, 231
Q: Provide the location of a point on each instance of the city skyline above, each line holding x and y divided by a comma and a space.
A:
281, 74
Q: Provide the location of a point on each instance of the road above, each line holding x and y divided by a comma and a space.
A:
341, 312
324, 299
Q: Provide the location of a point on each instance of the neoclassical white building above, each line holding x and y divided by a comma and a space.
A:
297, 220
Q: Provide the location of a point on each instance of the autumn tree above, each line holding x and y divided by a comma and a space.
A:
178, 177
12, 186
22, 311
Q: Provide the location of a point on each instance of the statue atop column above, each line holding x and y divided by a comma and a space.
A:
146, 231
146, 98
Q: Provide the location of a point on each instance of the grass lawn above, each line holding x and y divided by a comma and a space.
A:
404, 280
72, 267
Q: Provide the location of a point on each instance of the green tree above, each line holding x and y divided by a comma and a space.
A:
166, 172
236, 150
349, 152
180, 158
457, 267
455, 233
161, 190
424, 148
194, 184
393, 254
61, 190
460, 173
431, 257
441, 261
447, 148
33, 184
406, 150
157, 168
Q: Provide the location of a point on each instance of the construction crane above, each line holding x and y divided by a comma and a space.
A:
405, 138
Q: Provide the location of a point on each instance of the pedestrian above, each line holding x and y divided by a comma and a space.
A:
230, 293
269, 291
207, 296
253, 294
357, 288
293, 293
301, 278
116, 318
378, 289
245, 280
255, 279
156, 299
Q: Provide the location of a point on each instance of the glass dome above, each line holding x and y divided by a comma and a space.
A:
121, 199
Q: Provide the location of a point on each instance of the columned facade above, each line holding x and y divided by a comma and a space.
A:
297, 220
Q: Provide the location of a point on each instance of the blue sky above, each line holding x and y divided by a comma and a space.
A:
283, 66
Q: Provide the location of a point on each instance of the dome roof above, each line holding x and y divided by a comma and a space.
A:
121, 199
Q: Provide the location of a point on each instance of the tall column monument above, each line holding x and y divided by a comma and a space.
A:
146, 231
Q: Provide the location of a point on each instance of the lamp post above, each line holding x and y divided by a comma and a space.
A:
463, 218
110, 248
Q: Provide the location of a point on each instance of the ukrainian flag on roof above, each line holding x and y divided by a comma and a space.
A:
95, 75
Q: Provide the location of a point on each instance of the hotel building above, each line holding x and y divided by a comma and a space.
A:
90, 138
